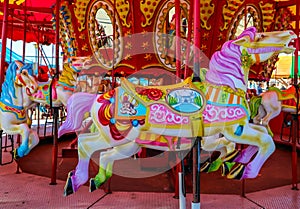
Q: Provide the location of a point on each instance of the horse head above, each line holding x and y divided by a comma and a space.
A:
79, 63
263, 46
231, 65
25, 79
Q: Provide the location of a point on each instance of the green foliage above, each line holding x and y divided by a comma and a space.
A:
198, 101
172, 100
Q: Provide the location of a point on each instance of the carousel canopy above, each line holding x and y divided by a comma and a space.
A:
36, 13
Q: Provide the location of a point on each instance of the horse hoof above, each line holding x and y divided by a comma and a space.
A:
205, 167
68, 189
231, 156
226, 168
14, 154
93, 186
237, 172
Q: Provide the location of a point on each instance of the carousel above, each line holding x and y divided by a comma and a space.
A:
151, 90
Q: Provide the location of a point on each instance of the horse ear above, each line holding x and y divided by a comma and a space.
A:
244, 41
19, 64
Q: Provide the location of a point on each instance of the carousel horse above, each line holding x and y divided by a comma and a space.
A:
269, 104
62, 88
132, 116
18, 86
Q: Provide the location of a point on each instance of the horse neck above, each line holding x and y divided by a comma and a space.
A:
26, 100
18, 101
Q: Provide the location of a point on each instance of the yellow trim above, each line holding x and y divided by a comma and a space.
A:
126, 65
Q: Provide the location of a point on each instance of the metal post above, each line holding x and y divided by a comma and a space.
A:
189, 37
181, 182
55, 112
295, 116
178, 37
196, 174
196, 38
25, 31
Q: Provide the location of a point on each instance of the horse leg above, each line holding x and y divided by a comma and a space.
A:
107, 159
87, 145
246, 154
226, 148
33, 140
261, 114
252, 137
24, 131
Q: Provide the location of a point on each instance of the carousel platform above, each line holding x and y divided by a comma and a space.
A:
28, 191
31, 188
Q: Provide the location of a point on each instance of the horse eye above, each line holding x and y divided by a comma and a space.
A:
24, 72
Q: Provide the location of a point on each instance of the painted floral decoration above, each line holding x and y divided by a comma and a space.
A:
152, 93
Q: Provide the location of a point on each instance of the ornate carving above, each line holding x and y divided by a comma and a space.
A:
148, 8
163, 42
110, 55
229, 11
123, 9
66, 30
252, 12
267, 10
206, 11
80, 11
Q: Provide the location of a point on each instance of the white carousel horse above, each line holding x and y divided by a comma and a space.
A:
132, 116
18, 86
269, 104
65, 86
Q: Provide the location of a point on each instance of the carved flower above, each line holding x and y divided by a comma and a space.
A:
152, 93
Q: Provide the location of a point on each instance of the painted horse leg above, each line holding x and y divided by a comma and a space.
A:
225, 147
33, 141
87, 145
252, 137
107, 159
24, 131
246, 154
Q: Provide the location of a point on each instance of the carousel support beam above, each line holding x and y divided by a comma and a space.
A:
55, 112
196, 174
178, 37
196, 149
197, 39
4, 39
189, 38
295, 129
25, 31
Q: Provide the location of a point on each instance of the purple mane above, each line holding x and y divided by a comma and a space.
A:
225, 67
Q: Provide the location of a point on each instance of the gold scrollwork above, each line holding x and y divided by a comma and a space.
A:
80, 11
228, 12
123, 9
268, 13
206, 10
148, 8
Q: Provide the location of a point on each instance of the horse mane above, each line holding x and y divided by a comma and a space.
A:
8, 86
8, 89
225, 67
67, 75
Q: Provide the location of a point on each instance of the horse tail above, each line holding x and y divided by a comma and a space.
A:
255, 102
78, 104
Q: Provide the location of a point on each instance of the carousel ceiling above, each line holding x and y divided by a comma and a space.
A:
37, 14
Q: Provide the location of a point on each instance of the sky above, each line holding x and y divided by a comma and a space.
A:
31, 52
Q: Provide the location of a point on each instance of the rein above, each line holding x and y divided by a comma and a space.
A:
19, 78
255, 45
